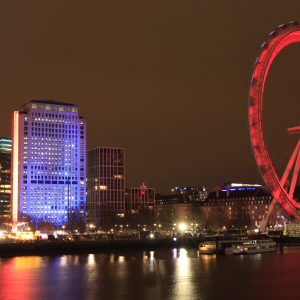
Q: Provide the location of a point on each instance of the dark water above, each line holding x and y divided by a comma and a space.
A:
169, 274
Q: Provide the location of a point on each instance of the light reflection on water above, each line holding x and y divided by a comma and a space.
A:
171, 274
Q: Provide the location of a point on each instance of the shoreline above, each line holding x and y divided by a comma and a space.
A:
85, 247
43, 248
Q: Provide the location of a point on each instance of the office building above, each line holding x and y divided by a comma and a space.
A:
194, 193
48, 165
5, 178
105, 186
241, 203
140, 204
140, 198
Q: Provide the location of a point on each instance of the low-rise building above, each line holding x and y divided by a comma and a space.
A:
240, 205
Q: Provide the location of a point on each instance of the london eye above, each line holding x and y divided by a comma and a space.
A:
283, 36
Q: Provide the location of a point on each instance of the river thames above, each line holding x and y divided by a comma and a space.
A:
175, 274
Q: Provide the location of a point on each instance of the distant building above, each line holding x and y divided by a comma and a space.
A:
176, 205
140, 198
48, 164
5, 177
105, 185
235, 202
140, 204
194, 193
180, 203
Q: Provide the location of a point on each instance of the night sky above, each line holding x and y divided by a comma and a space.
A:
166, 80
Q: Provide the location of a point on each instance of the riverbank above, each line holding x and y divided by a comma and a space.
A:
79, 247
10, 249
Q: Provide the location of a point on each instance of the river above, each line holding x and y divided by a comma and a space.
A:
176, 274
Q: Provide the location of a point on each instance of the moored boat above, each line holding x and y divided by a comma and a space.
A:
256, 246
224, 246
207, 248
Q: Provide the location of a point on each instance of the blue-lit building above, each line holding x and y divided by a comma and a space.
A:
5, 178
49, 162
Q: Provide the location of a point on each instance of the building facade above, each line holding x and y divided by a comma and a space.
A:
140, 198
5, 178
194, 193
105, 186
49, 162
240, 205
140, 205
174, 208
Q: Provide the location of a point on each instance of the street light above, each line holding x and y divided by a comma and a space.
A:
182, 227
92, 226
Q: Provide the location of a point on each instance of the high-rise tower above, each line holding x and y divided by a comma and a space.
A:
5, 177
105, 185
48, 164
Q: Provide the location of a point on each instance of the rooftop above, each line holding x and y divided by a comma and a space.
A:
47, 102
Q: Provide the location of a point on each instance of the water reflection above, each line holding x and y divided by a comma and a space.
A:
170, 274
91, 259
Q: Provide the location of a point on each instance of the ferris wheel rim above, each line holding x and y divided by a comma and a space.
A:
281, 37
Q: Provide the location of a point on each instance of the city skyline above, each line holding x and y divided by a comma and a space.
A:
165, 81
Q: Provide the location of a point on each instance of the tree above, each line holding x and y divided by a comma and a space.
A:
76, 222
46, 227
218, 217
195, 216
167, 217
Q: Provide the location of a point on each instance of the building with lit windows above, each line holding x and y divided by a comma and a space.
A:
48, 164
5, 177
105, 185
194, 193
140, 198
140, 204
238, 203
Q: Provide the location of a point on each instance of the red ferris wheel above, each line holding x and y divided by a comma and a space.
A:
281, 37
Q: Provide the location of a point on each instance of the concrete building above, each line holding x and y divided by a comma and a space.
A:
49, 162
140, 205
105, 185
140, 198
5, 178
240, 204
194, 193
175, 206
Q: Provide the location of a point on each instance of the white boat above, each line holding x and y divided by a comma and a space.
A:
231, 248
207, 248
255, 246
224, 246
